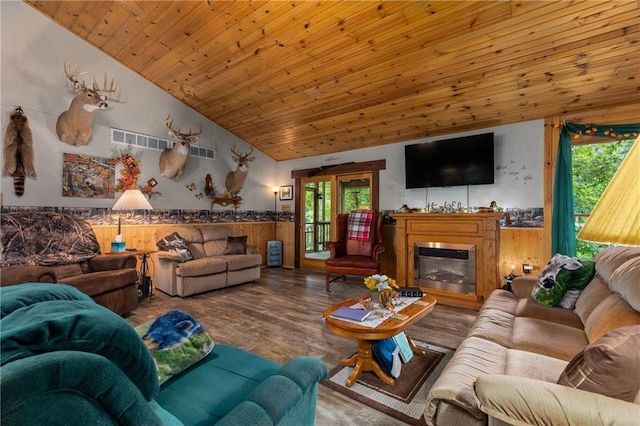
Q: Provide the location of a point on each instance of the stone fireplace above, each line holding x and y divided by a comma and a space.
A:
445, 266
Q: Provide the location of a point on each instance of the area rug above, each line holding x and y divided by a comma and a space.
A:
406, 400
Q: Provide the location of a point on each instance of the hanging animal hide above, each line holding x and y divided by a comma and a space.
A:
18, 150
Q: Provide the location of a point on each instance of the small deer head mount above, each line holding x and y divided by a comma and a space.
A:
173, 161
235, 180
74, 126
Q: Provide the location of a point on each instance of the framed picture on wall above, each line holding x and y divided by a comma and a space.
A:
286, 192
86, 176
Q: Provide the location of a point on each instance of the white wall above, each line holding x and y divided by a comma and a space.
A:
34, 50
518, 179
33, 53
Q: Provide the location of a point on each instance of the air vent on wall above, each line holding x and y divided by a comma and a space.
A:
139, 140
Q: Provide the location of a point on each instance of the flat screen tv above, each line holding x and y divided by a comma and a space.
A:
450, 162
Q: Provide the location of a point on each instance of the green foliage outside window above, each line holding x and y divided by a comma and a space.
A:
355, 198
593, 167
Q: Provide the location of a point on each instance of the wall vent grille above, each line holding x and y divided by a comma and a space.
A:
139, 140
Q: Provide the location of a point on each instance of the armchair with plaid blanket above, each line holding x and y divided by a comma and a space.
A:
358, 246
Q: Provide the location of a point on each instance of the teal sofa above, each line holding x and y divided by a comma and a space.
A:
67, 360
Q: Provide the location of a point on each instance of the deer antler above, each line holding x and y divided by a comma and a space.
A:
104, 89
233, 149
169, 123
72, 74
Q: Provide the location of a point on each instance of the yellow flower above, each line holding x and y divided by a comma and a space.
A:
379, 282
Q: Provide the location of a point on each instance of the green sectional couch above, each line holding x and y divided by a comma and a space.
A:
67, 360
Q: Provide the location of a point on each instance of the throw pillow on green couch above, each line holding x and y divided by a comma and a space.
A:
560, 275
176, 340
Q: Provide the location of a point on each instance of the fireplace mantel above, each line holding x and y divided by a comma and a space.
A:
479, 229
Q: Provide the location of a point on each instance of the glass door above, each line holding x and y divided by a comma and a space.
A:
317, 205
323, 198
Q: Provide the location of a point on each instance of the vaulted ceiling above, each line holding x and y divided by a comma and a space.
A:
303, 78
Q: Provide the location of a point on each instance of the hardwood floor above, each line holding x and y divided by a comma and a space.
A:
280, 317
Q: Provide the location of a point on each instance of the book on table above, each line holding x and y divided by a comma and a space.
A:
351, 314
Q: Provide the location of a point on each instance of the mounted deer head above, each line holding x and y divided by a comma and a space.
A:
235, 180
173, 161
74, 126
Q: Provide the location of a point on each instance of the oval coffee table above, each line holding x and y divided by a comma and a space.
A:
363, 359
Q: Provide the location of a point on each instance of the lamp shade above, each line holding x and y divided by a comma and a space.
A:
616, 217
132, 199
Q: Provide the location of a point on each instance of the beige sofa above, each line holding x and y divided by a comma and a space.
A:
506, 370
210, 269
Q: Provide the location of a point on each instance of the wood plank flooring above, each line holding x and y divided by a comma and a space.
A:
280, 317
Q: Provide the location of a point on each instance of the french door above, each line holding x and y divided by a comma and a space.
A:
322, 199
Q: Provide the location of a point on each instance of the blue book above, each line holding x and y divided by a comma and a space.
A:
351, 314
406, 353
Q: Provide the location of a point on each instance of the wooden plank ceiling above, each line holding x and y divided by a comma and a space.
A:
302, 78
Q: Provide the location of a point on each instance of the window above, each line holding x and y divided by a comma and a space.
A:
594, 164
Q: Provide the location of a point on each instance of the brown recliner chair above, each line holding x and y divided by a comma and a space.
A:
41, 246
353, 257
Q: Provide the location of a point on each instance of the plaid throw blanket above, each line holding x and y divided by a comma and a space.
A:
359, 225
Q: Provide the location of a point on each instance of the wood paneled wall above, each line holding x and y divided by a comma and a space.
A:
142, 237
517, 245
521, 245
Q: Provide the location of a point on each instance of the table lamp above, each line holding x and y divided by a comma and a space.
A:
616, 217
131, 199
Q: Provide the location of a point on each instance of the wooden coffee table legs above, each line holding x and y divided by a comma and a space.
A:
416, 350
363, 361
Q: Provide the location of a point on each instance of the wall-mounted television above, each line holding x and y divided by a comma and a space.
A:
466, 160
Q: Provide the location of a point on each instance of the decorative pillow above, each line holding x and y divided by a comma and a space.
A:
176, 340
236, 245
561, 274
609, 366
387, 354
175, 243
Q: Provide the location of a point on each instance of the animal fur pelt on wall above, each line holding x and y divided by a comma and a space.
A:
18, 150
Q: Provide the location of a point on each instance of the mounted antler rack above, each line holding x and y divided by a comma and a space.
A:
226, 201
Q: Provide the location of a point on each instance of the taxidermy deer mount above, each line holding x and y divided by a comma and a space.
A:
235, 180
173, 161
74, 126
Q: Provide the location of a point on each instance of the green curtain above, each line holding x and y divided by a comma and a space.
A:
563, 235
